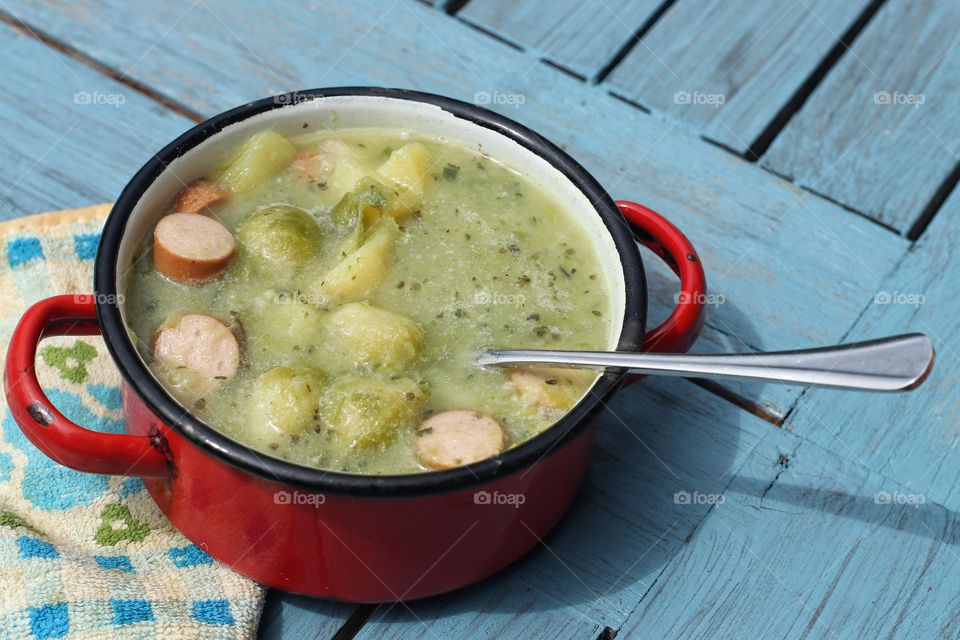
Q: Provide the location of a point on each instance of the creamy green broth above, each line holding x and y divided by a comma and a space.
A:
486, 258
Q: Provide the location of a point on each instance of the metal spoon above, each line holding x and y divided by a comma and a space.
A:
897, 363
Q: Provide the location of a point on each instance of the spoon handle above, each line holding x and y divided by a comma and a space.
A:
897, 363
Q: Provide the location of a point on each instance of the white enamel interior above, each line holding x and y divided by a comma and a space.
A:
374, 111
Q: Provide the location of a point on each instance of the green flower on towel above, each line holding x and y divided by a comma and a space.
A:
71, 362
13, 521
119, 524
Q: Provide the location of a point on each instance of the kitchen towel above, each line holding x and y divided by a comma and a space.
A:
82, 555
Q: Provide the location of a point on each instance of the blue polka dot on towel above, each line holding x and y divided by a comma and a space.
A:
131, 611
106, 394
49, 621
212, 611
131, 486
34, 548
6, 466
189, 556
121, 563
23, 250
86, 245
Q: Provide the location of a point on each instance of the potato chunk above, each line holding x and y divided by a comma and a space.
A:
279, 238
406, 171
362, 270
343, 169
283, 328
407, 167
375, 339
284, 401
260, 157
362, 412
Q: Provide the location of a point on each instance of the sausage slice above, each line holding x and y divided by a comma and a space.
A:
188, 247
455, 438
196, 197
200, 346
552, 388
310, 165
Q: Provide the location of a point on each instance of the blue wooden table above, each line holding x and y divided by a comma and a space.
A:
809, 150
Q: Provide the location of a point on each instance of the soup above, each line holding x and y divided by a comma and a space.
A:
321, 299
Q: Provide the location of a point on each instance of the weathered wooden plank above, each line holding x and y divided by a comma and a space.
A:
268, 48
724, 69
732, 210
777, 257
71, 135
664, 451
827, 549
582, 37
289, 616
882, 131
911, 438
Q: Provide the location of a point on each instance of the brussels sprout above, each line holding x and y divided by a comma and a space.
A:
364, 336
284, 401
361, 271
280, 238
261, 156
362, 412
362, 206
369, 202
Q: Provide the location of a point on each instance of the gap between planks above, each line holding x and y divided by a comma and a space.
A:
933, 206
451, 7
633, 41
355, 622
763, 141
32, 32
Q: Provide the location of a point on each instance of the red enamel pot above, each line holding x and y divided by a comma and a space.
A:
350, 537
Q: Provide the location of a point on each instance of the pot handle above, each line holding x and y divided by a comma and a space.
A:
59, 438
678, 332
